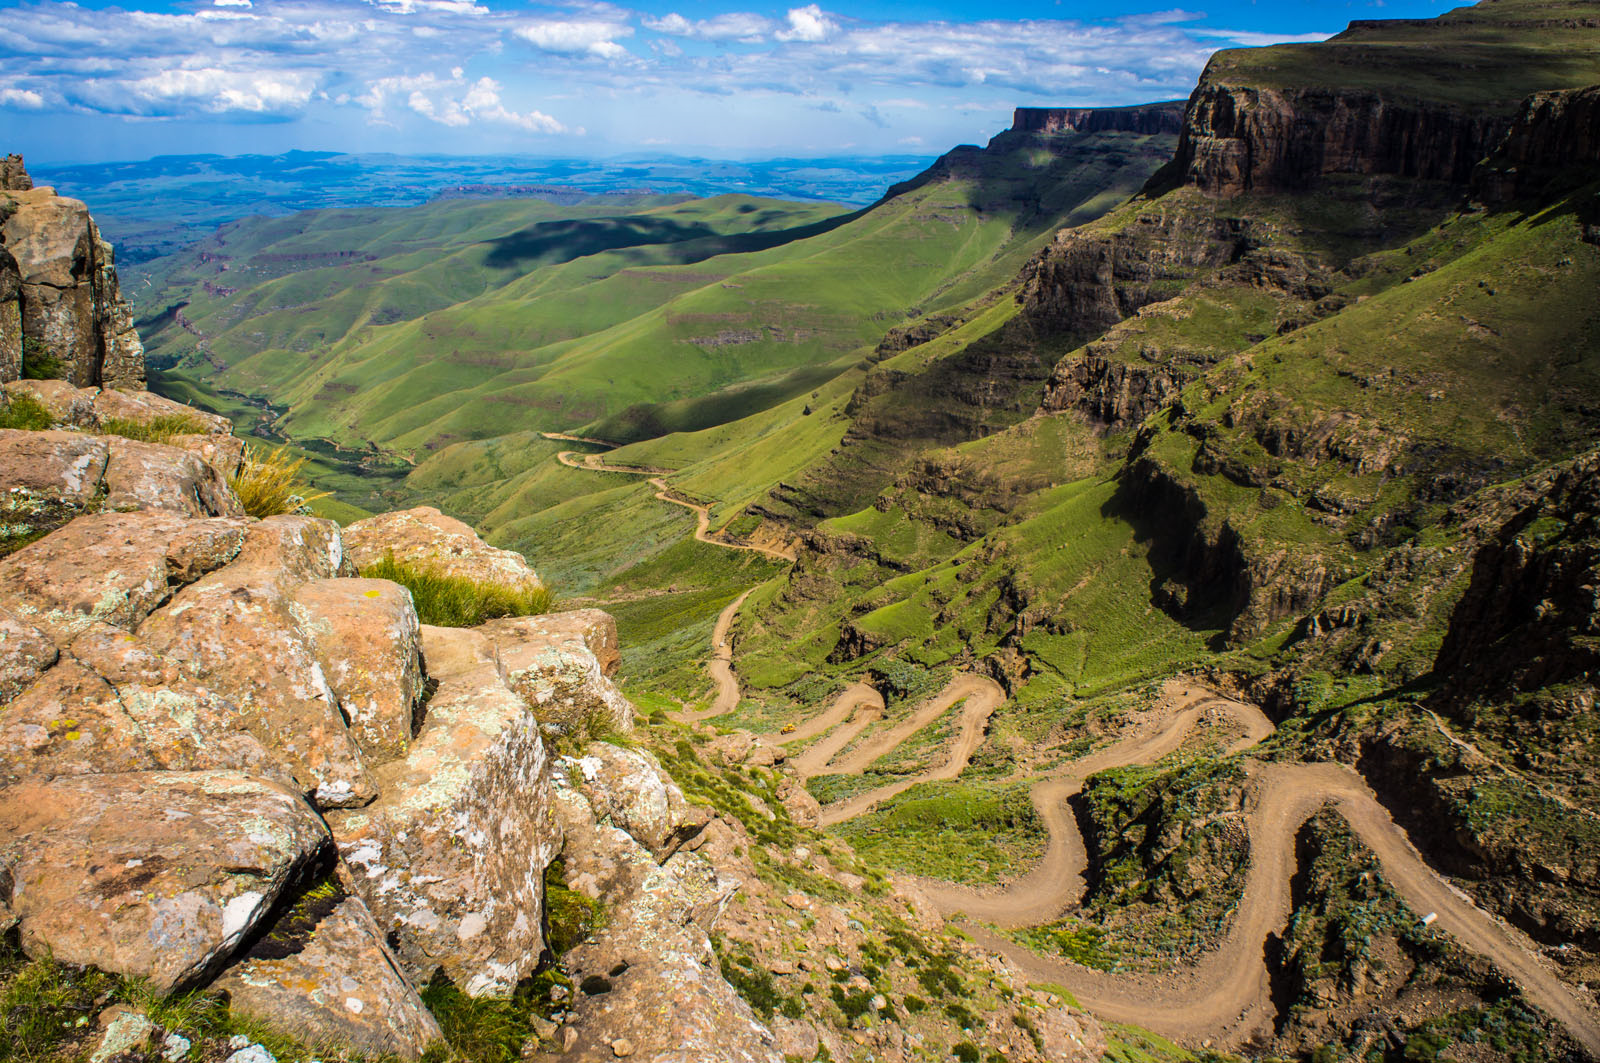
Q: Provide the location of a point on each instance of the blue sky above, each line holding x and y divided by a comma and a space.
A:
97, 81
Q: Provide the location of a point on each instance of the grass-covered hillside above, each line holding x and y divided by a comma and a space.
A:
628, 319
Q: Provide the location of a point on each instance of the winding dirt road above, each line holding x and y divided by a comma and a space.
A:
664, 492
1225, 996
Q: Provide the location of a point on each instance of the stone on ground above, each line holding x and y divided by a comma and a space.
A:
451, 858
323, 975
560, 665
154, 875
427, 538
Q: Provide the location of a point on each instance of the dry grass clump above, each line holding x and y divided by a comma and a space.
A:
444, 600
269, 483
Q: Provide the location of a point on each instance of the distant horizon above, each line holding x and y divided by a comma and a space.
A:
85, 83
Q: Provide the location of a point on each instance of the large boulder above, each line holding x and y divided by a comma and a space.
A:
71, 302
628, 789
560, 665
99, 409
158, 476
427, 538
323, 974
243, 612
156, 875
451, 858
364, 633
45, 467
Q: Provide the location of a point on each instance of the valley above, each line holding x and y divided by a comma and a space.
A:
1127, 593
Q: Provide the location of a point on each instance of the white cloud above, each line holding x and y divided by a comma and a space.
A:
733, 26
453, 102
572, 38
808, 24
231, 3
23, 99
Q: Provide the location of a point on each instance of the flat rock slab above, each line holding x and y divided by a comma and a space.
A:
451, 858
114, 568
25, 653
155, 875
364, 634
427, 538
323, 974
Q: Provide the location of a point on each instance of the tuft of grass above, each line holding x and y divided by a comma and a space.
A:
570, 916
47, 1008
26, 412
444, 600
269, 483
156, 430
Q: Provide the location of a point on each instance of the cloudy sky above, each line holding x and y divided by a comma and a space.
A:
92, 81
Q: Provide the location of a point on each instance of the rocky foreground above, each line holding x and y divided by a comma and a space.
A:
229, 762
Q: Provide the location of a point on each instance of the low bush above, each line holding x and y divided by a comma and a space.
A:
444, 600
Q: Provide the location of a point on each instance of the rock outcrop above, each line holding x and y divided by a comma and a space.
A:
1555, 141
424, 536
60, 302
1144, 118
1245, 138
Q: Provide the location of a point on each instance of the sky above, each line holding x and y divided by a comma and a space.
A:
92, 81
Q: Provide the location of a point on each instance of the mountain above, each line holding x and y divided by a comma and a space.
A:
1153, 554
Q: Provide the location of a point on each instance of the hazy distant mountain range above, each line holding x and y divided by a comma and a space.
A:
155, 206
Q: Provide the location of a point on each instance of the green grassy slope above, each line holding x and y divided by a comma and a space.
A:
466, 320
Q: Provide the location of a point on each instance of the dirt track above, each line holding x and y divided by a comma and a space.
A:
702, 530
1224, 996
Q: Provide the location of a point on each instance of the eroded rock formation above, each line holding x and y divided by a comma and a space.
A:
60, 303
1146, 118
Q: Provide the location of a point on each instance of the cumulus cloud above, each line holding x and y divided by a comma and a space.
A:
808, 24
733, 26
573, 38
22, 99
451, 101
231, 3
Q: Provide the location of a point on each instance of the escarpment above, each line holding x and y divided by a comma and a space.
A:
1241, 138
1553, 145
1145, 118
61, 308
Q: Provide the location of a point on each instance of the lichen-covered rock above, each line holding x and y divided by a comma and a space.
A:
323, 974
451, 858
650, 978
157, 476
47, 466
114, 568
223, 453
423, 536
156, 875
25, 653
364, 634
627, 788
243, 612
560, 666
70, 722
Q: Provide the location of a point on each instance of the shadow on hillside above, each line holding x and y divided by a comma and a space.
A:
554, 242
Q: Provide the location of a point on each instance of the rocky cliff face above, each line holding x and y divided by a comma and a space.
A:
1147, 118
1237, 139
1553, 144
60, 302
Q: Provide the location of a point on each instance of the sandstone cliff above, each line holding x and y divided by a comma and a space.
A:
60, 303
1145, 118
1241, 138
1554, 144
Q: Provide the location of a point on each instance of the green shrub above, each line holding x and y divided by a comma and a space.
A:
156, 430
26, 412
268, 483
38, 363
455, 601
